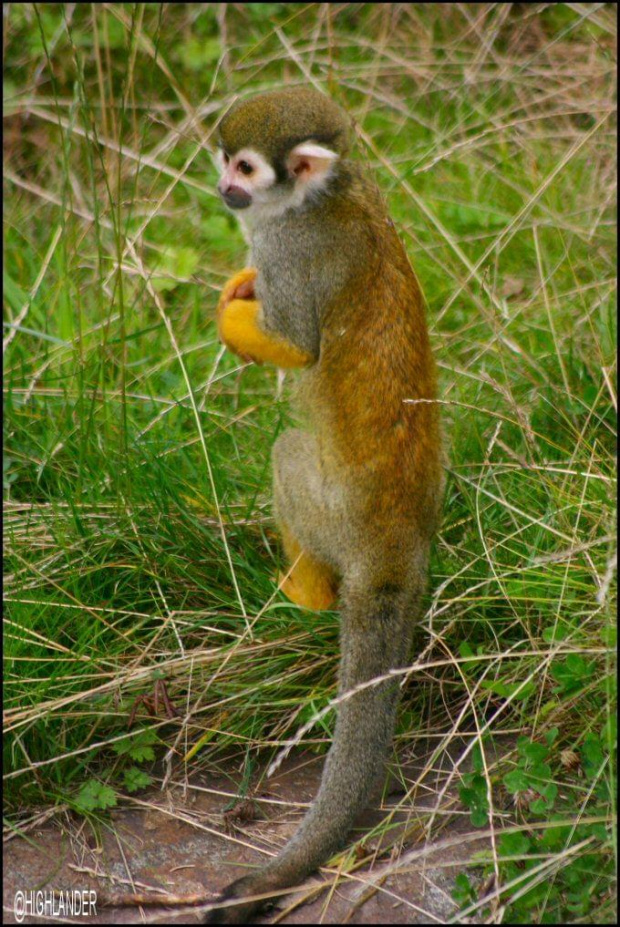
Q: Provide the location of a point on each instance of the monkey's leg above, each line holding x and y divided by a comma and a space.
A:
240, 328
303, 515
311, 584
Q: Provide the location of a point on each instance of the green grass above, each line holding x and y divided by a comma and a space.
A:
138, 539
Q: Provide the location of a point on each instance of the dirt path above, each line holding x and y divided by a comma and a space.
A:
180, 841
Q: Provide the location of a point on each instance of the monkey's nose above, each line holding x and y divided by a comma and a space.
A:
235, 197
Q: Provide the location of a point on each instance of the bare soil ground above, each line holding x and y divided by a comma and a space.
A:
181, 842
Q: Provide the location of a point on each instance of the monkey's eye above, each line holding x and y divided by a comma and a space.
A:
225, 157
245, 168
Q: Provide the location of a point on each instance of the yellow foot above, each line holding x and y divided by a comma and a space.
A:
317, 596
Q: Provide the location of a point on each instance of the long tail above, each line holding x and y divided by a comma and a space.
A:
376, 630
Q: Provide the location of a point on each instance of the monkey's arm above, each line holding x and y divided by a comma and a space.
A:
240, 325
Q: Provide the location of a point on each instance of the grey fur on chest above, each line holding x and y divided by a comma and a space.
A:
298, 275
285, 284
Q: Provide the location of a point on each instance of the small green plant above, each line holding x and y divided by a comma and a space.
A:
561, 871
135, 779
532, 776
95, 796
573, 673
473, 792
463, 892
138, 747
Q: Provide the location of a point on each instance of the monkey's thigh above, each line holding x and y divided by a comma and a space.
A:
303, 499
305, 513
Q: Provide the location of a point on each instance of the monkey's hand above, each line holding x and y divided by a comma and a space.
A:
239, 322
241, 286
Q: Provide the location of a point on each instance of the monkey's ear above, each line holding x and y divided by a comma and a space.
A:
311, 162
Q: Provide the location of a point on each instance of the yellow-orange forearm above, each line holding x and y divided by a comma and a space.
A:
239, 326
240, 330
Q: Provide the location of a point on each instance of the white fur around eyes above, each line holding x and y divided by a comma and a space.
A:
270, 199
264, 175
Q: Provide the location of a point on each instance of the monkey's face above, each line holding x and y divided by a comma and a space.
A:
244, 176
249, 182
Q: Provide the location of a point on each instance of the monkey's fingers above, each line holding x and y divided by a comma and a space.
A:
244, 280
245, 290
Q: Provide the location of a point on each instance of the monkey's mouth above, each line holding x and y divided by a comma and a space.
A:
236, 198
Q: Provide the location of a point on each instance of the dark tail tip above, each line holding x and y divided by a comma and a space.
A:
236, 913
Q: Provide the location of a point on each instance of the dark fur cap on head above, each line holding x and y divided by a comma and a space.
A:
273, 123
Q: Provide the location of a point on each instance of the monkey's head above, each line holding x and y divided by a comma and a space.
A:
277, 148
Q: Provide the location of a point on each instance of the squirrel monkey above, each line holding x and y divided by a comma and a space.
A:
357, 493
